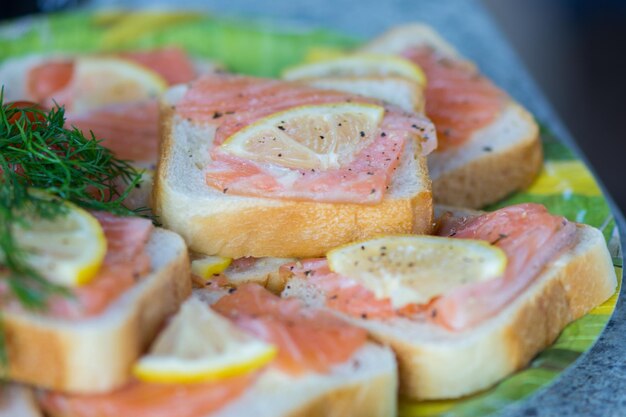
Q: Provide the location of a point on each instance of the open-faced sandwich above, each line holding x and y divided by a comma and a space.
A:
488, 145
259, 167
467, 307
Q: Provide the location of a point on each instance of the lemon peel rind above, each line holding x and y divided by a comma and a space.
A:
217, 266
145, 374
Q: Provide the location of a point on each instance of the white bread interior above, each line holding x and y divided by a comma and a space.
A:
18, 401
96, 354
364, 386
402, 37
435, 363
406, 94
496, 160
215, 223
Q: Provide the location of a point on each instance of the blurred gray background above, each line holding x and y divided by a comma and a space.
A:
575, 50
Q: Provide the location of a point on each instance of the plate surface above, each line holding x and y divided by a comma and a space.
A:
565, 185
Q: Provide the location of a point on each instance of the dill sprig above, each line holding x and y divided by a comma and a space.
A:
63, 162
38, 152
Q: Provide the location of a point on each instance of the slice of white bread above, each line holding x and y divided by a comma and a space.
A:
406, 94
497, 160
435, 363
215, 223
96, 354
18, 401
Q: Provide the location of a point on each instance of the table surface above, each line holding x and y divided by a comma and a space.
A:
593, 385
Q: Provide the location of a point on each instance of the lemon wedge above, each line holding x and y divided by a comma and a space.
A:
208, 266
102, 81
321, 136
67, 250
414, 269
358, 65
200, 345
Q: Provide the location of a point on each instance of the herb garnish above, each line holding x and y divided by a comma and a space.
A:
37, 152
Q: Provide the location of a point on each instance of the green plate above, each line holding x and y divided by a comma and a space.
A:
565, 185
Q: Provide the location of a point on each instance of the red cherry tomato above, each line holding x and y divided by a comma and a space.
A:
33, 116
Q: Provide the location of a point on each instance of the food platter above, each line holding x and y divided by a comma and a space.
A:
565, 185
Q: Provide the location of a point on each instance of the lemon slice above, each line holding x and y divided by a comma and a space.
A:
66, 250
414, 269
321, 136
208, 266
200, 345
358, 65
102, 81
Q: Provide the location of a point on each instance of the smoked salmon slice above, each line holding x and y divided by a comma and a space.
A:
141, 399
459, 100
307, 339
131, 131
345, 294
126, 260
46, 79
529, 235
231, 102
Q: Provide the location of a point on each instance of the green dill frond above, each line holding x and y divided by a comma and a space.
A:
38, 152
63, 162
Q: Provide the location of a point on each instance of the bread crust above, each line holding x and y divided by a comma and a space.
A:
492, 172
369, 398
277, 228
96, 354
305, 229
